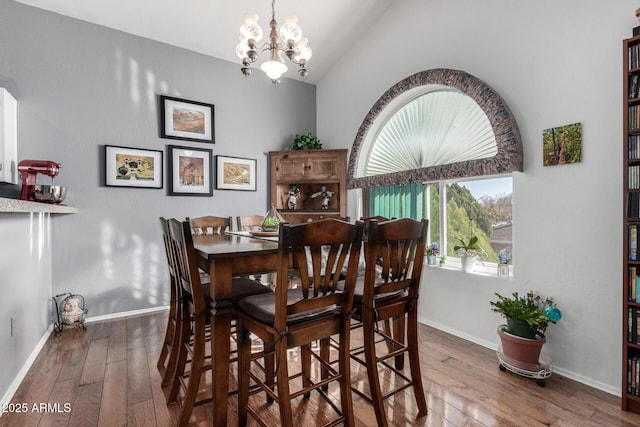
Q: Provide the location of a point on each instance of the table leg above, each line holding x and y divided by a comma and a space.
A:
220, 291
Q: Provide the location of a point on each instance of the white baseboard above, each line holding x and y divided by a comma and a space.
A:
125, 314
6, 399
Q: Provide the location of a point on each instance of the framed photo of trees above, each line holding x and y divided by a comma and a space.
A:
562, 145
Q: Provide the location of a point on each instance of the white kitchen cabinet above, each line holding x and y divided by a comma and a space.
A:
8, 138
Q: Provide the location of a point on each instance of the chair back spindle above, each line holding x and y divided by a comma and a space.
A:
210, 225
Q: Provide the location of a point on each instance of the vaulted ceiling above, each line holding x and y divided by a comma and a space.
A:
211, 27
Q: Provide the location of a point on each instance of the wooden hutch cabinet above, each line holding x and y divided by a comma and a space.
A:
320, 178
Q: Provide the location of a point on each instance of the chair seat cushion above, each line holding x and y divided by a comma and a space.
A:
359, 292
263, 307
241, 287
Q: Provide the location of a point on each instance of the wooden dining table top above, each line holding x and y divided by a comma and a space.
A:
231, 245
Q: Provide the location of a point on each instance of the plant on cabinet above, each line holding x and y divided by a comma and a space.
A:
306, 141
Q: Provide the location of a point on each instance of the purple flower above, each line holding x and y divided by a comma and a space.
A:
433, 249
504, 256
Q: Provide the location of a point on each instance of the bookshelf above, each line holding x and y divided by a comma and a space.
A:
311, 171
631, 258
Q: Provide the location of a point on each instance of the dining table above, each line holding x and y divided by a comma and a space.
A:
225, 256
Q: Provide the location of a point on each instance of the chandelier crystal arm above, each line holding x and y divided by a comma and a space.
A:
296, 47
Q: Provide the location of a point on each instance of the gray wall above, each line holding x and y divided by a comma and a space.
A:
554, 63
80, 86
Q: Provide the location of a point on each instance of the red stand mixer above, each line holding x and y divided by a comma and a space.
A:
31, 190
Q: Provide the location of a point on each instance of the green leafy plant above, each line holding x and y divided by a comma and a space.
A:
537, 314
470, 248
271, 222
306, 141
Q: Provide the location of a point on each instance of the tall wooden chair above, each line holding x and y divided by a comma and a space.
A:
193, 316
210, 224
252, 223
319, 308
249, 223
394, 256
167, 360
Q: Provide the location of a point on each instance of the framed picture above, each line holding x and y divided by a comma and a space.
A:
190, 172
235, 173
132, 167
562, 145
186, 120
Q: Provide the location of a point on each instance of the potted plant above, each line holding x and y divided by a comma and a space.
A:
306, 141
527, 320
469, 251
443, 260
503, 259
271, 221
432, 253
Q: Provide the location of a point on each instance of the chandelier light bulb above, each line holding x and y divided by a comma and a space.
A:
303, 51
241, 50
290, 30
274, 68
250, 29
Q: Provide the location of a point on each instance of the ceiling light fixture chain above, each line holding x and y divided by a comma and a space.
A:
296, 48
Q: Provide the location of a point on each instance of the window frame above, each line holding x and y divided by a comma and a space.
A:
485, 267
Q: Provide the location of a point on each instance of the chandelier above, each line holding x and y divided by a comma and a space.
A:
295, 47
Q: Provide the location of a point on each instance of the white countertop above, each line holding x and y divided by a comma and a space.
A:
16, 205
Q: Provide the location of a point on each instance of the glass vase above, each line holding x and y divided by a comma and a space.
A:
503, 270
272, 220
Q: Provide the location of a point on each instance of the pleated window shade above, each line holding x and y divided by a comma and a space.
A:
437, 128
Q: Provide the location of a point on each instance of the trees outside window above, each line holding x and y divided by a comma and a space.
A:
479, 208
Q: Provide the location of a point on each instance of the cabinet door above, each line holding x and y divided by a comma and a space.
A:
291, 168
8, 138
324, 167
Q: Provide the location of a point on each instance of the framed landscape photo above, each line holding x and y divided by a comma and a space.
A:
132, 167
190, 171
562, 145
235, 173
186, 120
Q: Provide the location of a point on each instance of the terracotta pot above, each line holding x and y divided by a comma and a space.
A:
521, 352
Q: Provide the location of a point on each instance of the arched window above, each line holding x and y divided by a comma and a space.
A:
437, 146
425, 136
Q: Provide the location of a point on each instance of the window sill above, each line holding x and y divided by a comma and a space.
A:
488, 269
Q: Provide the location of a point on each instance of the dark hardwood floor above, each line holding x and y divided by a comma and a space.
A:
107, 376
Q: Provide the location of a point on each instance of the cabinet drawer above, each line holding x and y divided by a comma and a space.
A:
294, 168
291, 168
322, 167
